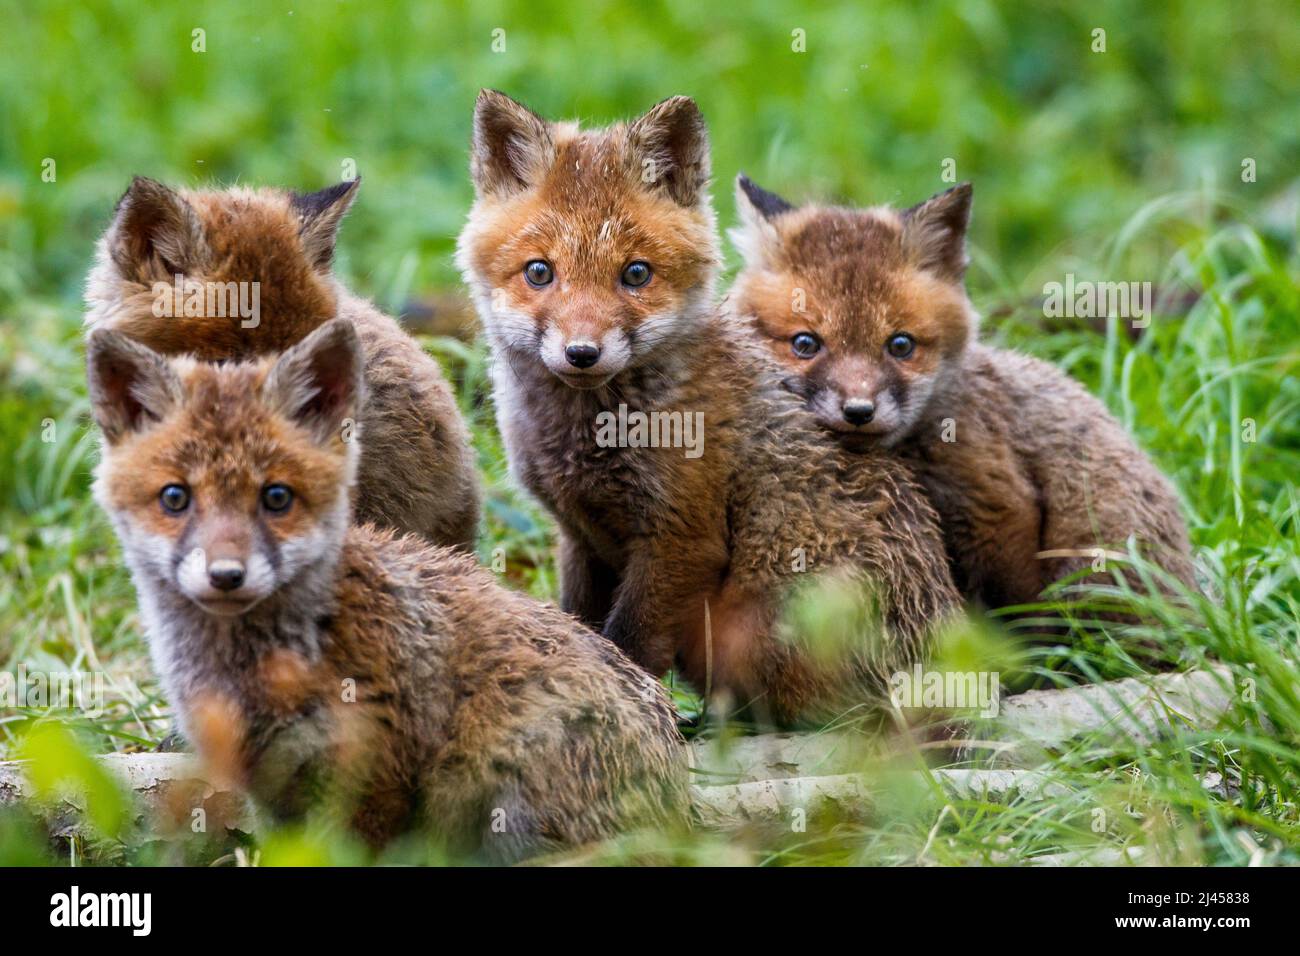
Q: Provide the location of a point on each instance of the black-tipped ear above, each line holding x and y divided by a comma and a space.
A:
756, 237
320, 213
766, 204
155, 233
318, 383
130, 385
512, 147
670, 144
934, 232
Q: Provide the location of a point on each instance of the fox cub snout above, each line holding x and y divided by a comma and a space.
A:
867, 312
239, 273
306, 656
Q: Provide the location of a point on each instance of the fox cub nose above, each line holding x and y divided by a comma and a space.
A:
582, 355
859, 412
226, 574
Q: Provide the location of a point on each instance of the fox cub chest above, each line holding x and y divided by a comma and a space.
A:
610, 486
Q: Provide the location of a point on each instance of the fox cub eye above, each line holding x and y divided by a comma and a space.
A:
276, 498
636, 274
805, 345
901, 346
174, 498
538, 273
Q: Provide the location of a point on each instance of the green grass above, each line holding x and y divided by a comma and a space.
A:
1117, 165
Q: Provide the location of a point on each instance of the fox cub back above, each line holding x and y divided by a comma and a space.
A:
239, 273
866, 310
592, 256
307, 657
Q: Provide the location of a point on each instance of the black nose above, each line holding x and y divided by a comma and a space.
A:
226, 575
582, 355
859, 412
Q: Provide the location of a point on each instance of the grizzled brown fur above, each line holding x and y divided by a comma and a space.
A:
417, 473
399, 675
1029, 473
652, 541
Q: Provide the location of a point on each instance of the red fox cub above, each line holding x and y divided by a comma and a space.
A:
688, 488
866, 309
239, 273
302, 652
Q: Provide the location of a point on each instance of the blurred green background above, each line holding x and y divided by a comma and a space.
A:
1122, 164
1063, 144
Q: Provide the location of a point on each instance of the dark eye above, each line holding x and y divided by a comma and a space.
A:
174, 498
538, 273
901, 346
805, 345
276, 498
636, 274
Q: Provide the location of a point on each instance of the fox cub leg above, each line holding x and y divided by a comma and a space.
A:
663, 587
586, 582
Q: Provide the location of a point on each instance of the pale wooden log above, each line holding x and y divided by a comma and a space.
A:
1033, 725
733, 760
767, 777
147, 774
1028, 727
12, 785
772, 802
1094, 856
173, 782
168, 787
853, 794
999, 786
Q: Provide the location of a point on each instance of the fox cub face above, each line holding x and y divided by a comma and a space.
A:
226, 482
588, 252
865, 308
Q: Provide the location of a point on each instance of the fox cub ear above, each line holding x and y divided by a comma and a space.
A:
320, 214
670, 145
319, 382
756, 237
512, 147
155, 233
755, 202
131, 386
934, 232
